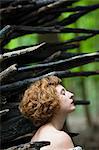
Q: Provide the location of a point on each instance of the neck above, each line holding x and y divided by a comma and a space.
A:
58, 120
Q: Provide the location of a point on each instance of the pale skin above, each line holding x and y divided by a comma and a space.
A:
59, 140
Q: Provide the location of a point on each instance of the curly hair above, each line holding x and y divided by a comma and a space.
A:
40, 101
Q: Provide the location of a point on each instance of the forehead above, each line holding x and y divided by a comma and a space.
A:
59, 87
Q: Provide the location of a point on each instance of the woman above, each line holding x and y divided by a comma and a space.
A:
47, 103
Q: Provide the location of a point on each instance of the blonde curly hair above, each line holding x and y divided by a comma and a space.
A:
40, 101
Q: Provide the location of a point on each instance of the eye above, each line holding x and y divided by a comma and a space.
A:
63, 92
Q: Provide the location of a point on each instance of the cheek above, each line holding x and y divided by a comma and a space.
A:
64, 99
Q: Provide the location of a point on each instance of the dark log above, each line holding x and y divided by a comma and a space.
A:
73, 9
76, 39
52, 29
20, 52
44, 20
33, 146
4, 34
74, 17
52, 57
38, 55
25, 20
67, 63
72, 134
34, 3
24, 83
80, 38
14, 128
31, 50
44, 30
9, 72
51, 45
11, 105
81, 102
3, 112
4, 3
3, 101
11, 97
24, 75
30, 74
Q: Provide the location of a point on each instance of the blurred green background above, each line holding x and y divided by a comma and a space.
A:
84, 88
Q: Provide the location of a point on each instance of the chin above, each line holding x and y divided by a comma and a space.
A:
72, 109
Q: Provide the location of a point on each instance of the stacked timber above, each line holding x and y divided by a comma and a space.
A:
23, 65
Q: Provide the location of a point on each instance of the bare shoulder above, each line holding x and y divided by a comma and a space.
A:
64, 135
59, 139
64, 140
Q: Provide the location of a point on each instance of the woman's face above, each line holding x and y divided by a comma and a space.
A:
65, 97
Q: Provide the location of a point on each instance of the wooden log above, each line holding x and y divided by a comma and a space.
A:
26, 2
14, 128
52, 57
3, 112
31, 51
4, 34
80, 38
11, 110
52, 29
72, 9
58, 29
34, 56
33, 146
39, 12
18, 9
5, 3
74, 17
81, 102
9, 72
42, 11
25, 74
19, 52
76, 39
67, 63
24, 83
29, 74
44, 20
68, 20
34, 3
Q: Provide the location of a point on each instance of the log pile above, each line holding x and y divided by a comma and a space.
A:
21, 17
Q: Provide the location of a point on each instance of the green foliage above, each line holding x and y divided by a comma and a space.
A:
30, 39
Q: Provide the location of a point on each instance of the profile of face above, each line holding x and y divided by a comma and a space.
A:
66, 99
44, 98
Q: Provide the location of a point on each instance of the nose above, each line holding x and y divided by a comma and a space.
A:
71, 94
